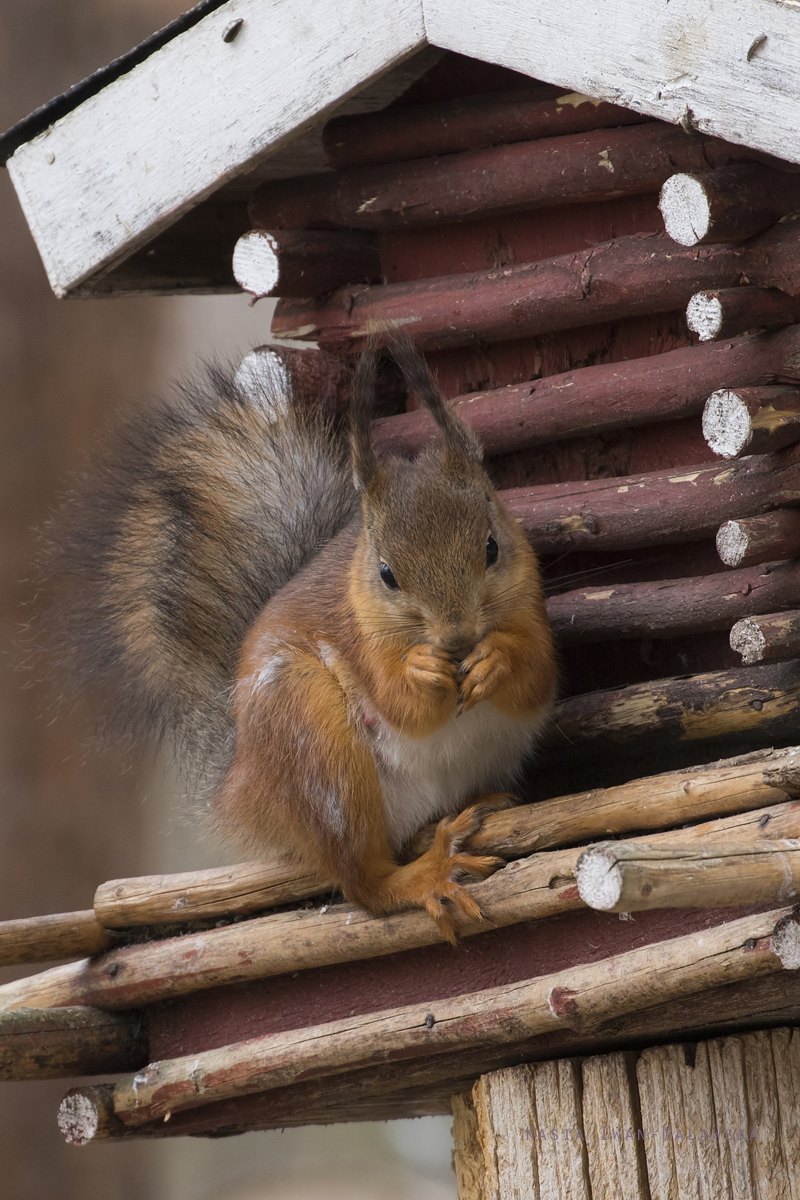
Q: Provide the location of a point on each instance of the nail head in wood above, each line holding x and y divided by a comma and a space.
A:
233, 30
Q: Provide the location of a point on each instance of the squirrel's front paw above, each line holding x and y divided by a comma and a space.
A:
483, 672
430, 669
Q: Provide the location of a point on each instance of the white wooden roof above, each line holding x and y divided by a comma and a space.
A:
207, 107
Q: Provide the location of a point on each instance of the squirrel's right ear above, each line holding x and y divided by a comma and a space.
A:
362, 404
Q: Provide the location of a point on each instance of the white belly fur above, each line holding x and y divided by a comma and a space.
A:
425, 778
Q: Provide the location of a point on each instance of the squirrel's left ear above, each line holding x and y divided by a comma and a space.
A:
458, 438
362, 404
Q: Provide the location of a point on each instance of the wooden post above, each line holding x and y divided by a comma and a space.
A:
760, 539
751, 420
603, 397
582, 996
53, 1043
773, 637
623, 877
62, 935
612, 1120
467, 123
682, 504
630, 276
668, 608
728, 204
302, 263
728, 312
581, 167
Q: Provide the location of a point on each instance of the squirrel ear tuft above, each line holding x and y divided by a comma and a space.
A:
459, 440
362, 404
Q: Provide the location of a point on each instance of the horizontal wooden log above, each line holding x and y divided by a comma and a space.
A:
728, 204
579, 168
583, 997
62, 935
86, 1114
774, 637
55, 1043
759, 539
635, 275
535, 887
683, 504
728, 312
716, 704
220, 891
592, 400
303, 263
751, 420
667, 608
315, 377
466, 123
628, 877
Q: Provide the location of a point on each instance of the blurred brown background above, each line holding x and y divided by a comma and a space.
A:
69, 817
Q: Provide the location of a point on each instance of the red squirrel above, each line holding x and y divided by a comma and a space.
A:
349, 647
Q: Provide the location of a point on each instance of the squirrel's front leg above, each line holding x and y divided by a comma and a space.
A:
514, 668
416, 689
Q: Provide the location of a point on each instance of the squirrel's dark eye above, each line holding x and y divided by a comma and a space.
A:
491, 551
388, 578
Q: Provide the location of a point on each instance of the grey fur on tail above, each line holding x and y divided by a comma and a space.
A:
196, 513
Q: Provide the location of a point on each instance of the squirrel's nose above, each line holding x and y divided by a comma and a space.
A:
458, 641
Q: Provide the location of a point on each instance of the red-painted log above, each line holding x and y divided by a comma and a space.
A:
670, 608
642, 273
287, 262
683, 504
771, 637
315, 377
575, 169
759, 539
730, 311
468, 123
751, 420
592, 400
728, 204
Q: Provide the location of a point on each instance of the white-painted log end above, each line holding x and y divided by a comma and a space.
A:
599, 878
255, 263
684, 207
732, 543
748, 640
79, 1119
265, 380
786, 942
726, 423
704, 315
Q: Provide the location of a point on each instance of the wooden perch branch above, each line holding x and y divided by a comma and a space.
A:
760, 539
674, 798
728, 204
559, 170
628, 877
771, 638
86, 1114
53, 1043
301, 263
467, 123
672, 607
42, 939
683, 504
582, 997
630, 276
752, 420
539, 886
728, 312
591, 400
716, 704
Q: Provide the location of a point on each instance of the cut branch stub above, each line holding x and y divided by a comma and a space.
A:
773, 637
728, 204
298, 263
314, 377
759, 539
752, 420
728, 312
467, 123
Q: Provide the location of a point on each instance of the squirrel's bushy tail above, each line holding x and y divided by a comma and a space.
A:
195, 515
